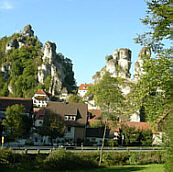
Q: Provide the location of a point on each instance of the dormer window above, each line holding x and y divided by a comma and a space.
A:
70, 118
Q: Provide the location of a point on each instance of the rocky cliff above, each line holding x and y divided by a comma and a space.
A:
118, 65
138, 70
26, 65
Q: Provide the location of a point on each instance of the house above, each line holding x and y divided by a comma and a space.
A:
40, 98
82, 90
64, 94
94, 136
10, 101
74, 116
38, 121
159, 133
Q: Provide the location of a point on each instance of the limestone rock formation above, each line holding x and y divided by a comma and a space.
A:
138, 70
27, 31
50, 67
20, 41
12, 44
54, 68
118, 66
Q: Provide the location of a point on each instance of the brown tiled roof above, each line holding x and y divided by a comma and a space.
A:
63, 109
9, 101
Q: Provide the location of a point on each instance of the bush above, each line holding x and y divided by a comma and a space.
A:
115, 158
137, 158
8, 159
64, 160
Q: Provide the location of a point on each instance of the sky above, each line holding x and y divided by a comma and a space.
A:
84, 30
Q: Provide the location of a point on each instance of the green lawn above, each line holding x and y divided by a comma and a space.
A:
130, 168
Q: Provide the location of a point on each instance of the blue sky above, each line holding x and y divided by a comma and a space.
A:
83, 30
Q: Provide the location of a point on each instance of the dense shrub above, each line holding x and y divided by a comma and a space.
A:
64, 160
115, 158
8, 159
146, 157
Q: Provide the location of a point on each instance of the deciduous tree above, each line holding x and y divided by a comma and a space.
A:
53, 126
17, 124
109, 98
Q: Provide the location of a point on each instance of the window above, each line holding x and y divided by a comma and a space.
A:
71, 118
40, 122
69, 129
66, 117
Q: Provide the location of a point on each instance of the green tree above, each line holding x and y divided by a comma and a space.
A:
152, 90
109, 98
17, 124
74, 98
53, 126
159, 21
156, 94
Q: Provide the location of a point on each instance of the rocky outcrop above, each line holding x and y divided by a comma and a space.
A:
20, 41
118, 66
54, 68
138, 70
27, 31
50, 67
13, 43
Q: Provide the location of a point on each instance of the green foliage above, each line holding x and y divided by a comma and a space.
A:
63, 160
146, 137
8, 158
136, 137
152, 90
108, 57
97, 124
146, 158
112, 143
73, 98
155, 87
16, 124
159, 20
69, 81
108, 96
23, 64
66, 160
47, 82
53, 126
122, 158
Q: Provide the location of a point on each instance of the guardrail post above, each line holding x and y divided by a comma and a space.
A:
38, 151
26, 151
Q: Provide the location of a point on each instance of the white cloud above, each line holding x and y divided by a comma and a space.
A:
6, 5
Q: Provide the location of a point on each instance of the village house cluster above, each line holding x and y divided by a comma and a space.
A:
78, 118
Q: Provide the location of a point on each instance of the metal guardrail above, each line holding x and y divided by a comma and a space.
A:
46, 150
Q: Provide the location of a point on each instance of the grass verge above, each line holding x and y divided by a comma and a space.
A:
127, 168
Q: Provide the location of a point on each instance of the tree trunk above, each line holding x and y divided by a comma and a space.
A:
103, 140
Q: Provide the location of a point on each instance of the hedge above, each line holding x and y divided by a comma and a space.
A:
67, 160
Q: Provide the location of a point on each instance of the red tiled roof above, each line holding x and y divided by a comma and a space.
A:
85, 86
41, 92
139, 126
95, 115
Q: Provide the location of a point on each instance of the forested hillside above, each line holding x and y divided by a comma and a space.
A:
25, 66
